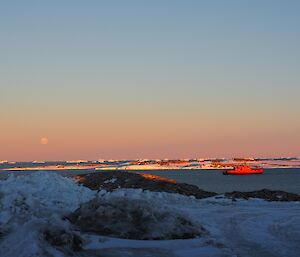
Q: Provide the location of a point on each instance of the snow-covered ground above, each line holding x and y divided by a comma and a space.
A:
33, 203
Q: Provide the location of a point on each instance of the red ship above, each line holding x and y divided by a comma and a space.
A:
243, 170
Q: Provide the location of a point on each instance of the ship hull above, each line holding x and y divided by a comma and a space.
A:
234, 172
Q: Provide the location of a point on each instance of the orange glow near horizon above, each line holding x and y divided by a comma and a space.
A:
87, 132
151, 138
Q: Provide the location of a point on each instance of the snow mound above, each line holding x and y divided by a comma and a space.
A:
32, 203
133, 219
38, 195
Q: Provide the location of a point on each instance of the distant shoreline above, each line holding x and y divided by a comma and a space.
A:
286, 179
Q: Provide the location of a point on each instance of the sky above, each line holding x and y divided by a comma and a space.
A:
149, 79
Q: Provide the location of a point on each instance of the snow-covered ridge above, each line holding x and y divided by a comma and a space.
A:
145, 164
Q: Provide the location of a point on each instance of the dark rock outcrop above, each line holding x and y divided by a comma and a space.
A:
62, 239
113, 179
133, 219
265, 194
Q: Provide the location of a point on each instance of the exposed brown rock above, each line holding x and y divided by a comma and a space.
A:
111, 180
265, 194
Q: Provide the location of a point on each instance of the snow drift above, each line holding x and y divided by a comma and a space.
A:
31, 204
32, 224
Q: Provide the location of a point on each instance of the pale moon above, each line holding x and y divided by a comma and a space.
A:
44, 140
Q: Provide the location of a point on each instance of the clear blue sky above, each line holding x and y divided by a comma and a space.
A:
123, 79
